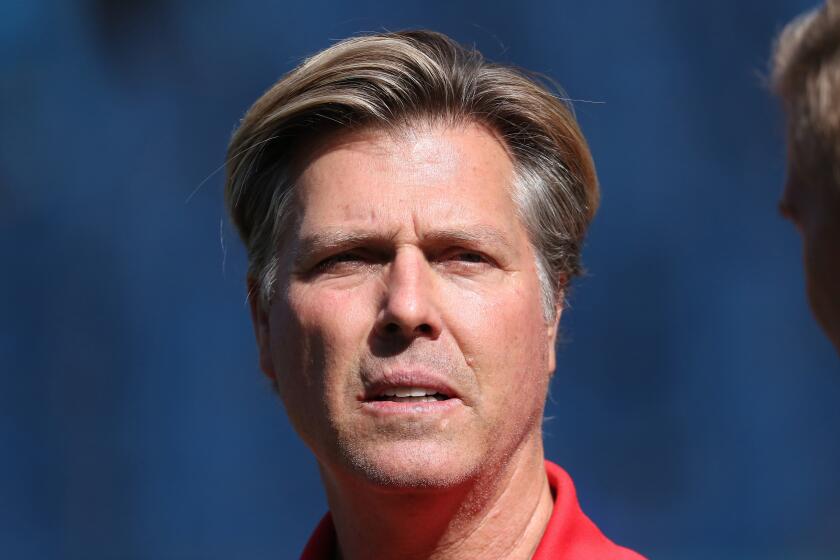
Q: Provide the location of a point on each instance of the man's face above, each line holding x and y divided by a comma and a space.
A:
407, 337
811, 201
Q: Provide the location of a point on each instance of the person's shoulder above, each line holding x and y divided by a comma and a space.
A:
570, 534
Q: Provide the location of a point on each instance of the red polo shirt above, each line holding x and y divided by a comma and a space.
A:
569, 535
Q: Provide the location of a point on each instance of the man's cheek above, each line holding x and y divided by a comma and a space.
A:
526, 337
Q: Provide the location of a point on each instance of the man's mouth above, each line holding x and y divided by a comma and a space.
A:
410, 392
410, 395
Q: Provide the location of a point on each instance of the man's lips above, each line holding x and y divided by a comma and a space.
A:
408, 387
411, 394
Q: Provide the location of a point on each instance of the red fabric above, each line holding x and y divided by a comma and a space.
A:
569, 535
323, 544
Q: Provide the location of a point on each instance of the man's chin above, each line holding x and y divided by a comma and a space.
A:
411, 465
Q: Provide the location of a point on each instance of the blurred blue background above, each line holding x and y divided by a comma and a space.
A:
695, 402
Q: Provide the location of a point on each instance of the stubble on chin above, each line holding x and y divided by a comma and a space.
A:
404, 454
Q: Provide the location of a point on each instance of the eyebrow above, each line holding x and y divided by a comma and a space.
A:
329, 241
479, 235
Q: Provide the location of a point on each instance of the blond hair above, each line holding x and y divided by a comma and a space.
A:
398, 80
806, 75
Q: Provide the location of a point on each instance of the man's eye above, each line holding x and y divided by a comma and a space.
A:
469, 257
463, 258
338, 261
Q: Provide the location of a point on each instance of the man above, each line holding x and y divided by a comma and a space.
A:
806, 75
412, 215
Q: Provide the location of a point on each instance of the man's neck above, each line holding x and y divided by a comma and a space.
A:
500, 513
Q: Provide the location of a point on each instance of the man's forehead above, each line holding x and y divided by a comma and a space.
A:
437, 173
426, 148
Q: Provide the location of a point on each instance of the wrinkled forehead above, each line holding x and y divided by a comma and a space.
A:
452, 164
398, 135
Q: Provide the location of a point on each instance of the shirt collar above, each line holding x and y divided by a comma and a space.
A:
569, 535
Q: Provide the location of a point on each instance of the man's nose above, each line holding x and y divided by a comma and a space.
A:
409, 307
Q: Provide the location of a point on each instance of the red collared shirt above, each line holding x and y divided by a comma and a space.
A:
569, 535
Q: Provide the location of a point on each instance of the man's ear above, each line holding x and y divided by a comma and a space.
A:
553, 327
262, 330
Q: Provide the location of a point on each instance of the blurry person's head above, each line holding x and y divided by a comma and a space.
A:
806, 76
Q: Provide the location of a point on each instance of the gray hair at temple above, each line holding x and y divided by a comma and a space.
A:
806, 75
396, 81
